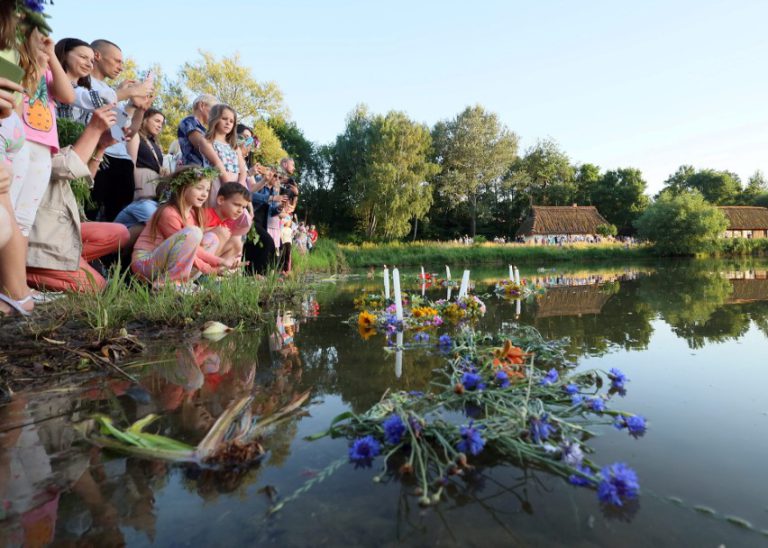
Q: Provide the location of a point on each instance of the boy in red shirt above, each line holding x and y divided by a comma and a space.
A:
232, 201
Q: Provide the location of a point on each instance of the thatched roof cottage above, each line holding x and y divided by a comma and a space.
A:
746, 221
561, 221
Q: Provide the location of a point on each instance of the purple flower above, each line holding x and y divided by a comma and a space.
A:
576, 479
571, 453
550, 378
471, 442
415, 424
437, 321
364, 450
617, 378
394, 428
445, 340
503, 379
416, 393
635, 424
571, 389
421, 337
472, 381
540, 428
618, 483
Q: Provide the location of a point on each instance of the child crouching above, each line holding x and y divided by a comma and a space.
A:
228, 219
173, 246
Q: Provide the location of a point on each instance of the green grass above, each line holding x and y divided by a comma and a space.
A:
237, 300
739, 247
418, 253
327, 256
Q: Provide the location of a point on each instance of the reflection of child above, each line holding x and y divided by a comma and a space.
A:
229, 219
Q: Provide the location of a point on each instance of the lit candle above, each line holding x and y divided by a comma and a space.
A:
399, 354
464, 284
398, 296
448, 273
386, 282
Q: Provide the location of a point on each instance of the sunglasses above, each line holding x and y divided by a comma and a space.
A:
245, 142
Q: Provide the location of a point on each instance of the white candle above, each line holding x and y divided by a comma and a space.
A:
517, 276
423, 289
448, 273
386, 282
398, 296
511, 273
464, 284
423, 277
448, 298
517, 307
399, 354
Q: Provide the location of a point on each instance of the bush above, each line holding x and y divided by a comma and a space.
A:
684, 224
607, 230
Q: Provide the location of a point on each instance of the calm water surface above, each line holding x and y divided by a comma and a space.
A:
692, 337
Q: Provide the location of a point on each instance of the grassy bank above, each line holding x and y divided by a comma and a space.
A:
450, 253
238, 300
327, 256
742, 247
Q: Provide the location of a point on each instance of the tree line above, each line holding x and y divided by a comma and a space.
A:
388, 177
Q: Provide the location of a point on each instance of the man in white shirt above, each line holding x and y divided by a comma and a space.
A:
114, 183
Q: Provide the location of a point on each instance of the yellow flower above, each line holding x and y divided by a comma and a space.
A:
366, 320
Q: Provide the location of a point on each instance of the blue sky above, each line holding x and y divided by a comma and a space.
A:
650, 84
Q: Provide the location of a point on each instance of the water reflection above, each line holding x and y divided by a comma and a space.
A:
54, 488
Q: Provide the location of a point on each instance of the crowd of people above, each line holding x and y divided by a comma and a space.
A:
204, 207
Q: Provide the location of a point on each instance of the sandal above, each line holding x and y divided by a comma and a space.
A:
16, 306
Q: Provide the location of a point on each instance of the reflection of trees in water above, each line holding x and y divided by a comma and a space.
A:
694, 301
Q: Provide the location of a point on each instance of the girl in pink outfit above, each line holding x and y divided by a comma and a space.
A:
173, 246
44, 82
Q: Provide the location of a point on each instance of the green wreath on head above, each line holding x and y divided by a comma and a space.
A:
31, 14
190, 176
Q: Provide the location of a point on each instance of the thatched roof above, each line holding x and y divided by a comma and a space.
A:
571, 301
561, 220
745, 291
746, 217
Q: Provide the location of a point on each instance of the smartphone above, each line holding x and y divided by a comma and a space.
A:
11, 71
117, 130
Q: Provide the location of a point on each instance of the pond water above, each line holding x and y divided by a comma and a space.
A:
692, 337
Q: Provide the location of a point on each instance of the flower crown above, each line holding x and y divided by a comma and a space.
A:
184, 178
31, 13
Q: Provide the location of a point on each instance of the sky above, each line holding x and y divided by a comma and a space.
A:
651, 85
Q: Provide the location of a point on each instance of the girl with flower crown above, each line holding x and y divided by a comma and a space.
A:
173, 246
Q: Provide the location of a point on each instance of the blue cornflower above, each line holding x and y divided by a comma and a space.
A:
575, 479
503, 379
618, 482
617, 378
35, 5
596, 404
550, 378
445, 340
540, 429
472, 381
577, 399
571, 453
471, 442
363, 450
421, 337
394, 428
635, 424
571, 389
416, 393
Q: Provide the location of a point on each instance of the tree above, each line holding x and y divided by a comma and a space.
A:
756, 187
545, 175
717, 187
474, 151
606, 230
271, 151
234, 85
682, 224
587, 176
619, 196
398, 190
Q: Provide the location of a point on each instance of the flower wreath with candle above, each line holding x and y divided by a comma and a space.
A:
508, 289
